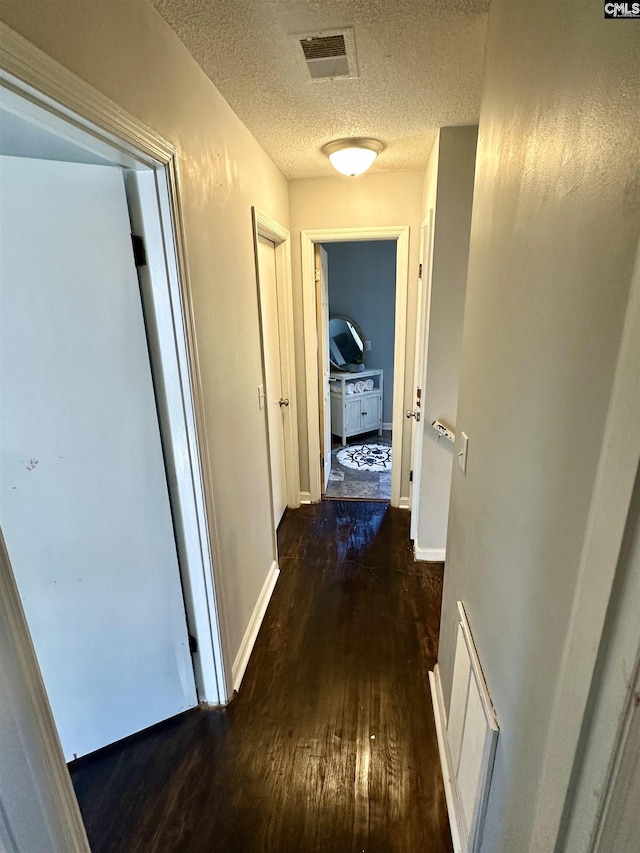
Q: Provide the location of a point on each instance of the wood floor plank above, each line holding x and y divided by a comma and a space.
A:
330, 745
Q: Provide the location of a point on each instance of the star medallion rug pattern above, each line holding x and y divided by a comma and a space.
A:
366, 457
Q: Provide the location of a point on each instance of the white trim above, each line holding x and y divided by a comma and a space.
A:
39, 78
265, 226
429, 555
203, 480
251, 634
40, 745
387, 426
404, 502
73, 109
608, 513
308, 239
305, 498
448, 776
310, 325
595, 788
623, 753
483, 690
150, 207
423, 321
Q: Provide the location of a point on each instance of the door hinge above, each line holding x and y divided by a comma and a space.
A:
193, 644
321, 461
419, 270
411, 476
139, 252
317, 274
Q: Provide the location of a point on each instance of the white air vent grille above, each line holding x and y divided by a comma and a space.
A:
329, 54
323, 47
466, 740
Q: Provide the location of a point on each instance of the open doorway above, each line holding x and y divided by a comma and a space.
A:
135, 352
357, 420
358, 324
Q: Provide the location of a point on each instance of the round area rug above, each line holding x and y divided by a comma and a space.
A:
366, 457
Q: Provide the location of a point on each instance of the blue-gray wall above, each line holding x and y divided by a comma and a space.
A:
362, 286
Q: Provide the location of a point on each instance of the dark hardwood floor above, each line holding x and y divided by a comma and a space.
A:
330, 744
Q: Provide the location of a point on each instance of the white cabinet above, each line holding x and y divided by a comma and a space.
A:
356, 403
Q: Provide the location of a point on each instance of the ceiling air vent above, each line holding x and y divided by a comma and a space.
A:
329, 55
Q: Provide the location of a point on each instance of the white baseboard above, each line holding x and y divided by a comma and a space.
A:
388, 427
404, 503
440, 715
429, 555
305, 497
250, 635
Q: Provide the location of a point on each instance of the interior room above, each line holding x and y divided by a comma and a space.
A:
361, 335
198, 652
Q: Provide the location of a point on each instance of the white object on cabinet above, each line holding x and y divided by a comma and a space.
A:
352, 411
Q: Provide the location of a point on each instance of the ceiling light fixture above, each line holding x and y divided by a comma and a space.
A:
352, 156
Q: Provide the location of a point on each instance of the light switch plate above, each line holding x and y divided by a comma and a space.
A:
462, 453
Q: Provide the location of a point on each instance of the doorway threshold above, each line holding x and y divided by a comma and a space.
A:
361, 470
360, 500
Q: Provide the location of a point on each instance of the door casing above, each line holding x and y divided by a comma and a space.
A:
36, 87
420, 366
400, 234
265, 226
324, 386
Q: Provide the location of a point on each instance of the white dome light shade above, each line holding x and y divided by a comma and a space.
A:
352, 156
352, 161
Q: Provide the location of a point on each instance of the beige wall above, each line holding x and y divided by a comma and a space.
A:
126, 51
555, 228
367, 201
449, 192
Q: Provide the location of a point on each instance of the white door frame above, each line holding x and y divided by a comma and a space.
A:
611, 500
423, 319
265, 226
41, 770
321, 264
400, 234
46, 93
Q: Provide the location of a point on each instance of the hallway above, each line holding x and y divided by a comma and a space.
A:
330, 745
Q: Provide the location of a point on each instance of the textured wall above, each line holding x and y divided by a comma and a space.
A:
127, 51
554, 233
362, 286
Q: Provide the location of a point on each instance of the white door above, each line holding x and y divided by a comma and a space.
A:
324, 366
420, 367
83, 494
273, 375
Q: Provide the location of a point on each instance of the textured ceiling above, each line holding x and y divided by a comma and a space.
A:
420, 67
